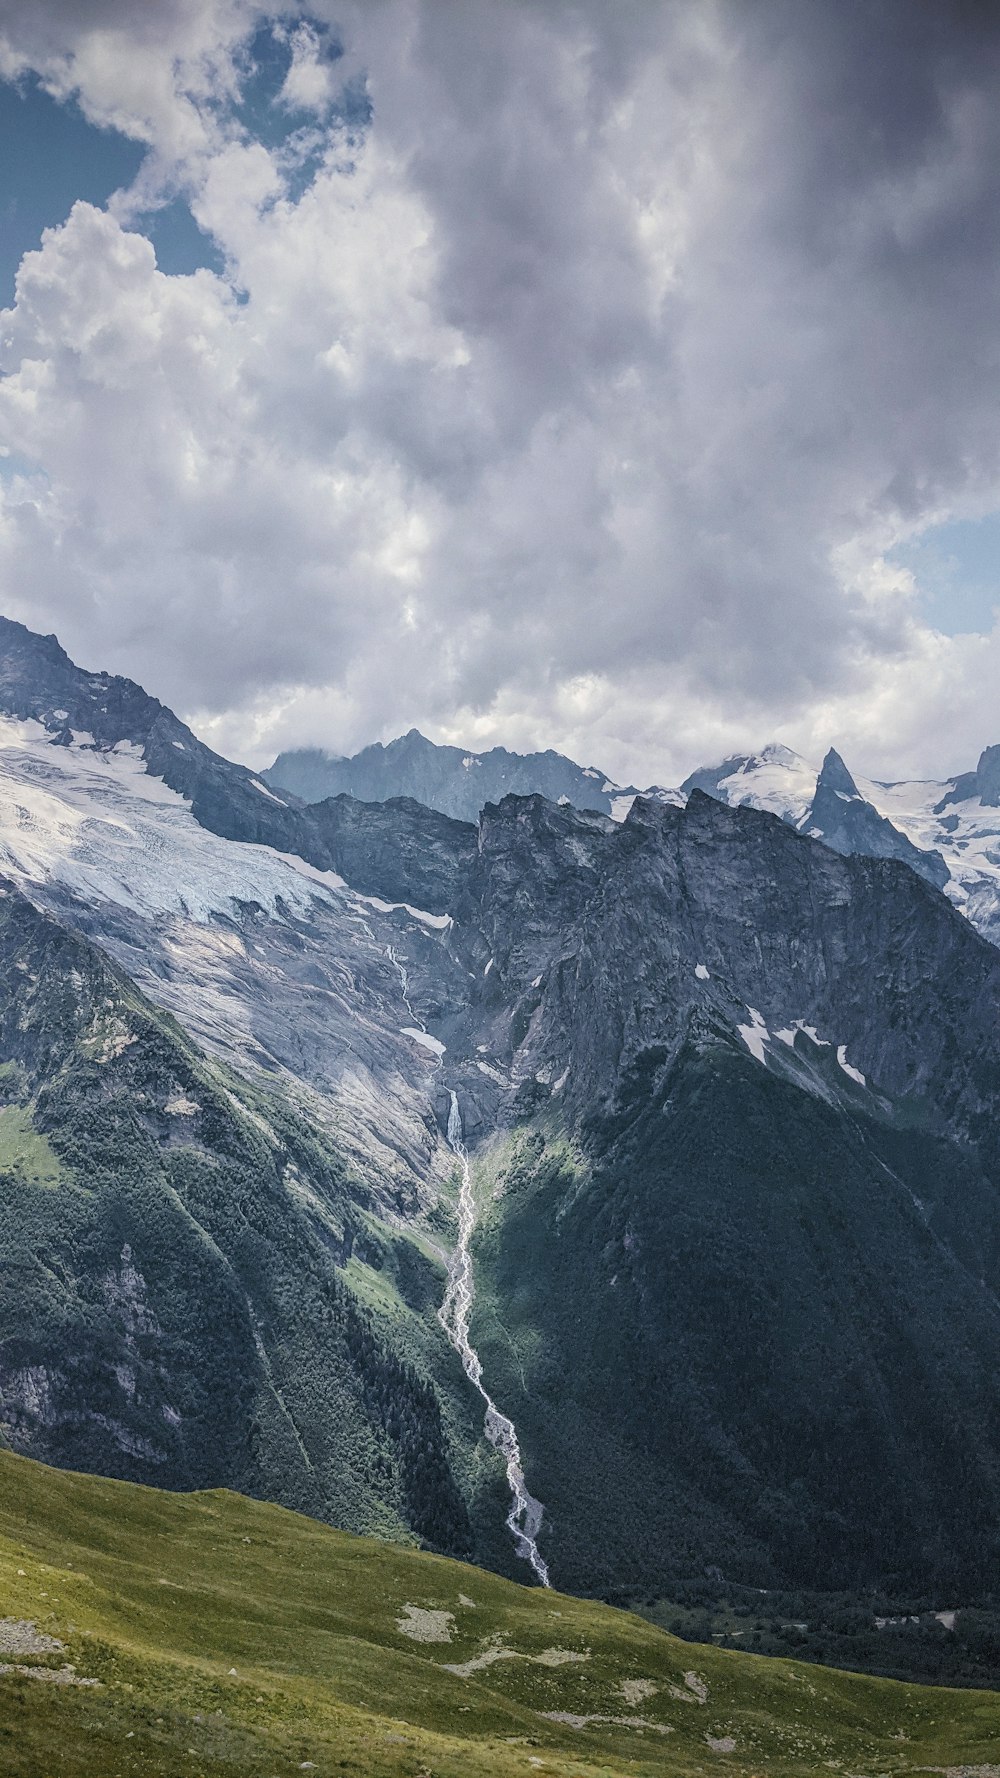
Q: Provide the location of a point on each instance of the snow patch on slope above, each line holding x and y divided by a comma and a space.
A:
425, 1040
967, 834
789, 1034
107, 830
755, 1035
437, 921
268, 793
854, 1073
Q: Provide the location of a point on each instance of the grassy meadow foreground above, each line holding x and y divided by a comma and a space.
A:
146, 1632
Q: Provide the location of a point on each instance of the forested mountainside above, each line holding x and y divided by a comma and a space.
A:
729, 1103
174, 1305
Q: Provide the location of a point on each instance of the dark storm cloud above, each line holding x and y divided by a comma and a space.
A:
825, 350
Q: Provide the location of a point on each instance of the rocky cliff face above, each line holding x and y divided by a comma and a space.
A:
398, 850
982, 785
729, 912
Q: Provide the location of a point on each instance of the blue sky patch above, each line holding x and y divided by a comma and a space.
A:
180, 245
50, 156
957, 569
268, 60
279, 127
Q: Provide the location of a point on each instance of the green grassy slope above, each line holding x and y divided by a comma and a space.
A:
235, 1639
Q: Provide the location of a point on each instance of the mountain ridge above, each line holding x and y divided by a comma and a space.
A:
38, 681
457, 781
959, 853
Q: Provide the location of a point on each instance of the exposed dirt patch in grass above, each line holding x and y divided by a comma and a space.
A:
423, 1625
18, 1636
54, 1675
636, 1691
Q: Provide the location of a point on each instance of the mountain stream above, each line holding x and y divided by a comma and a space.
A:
525, 1517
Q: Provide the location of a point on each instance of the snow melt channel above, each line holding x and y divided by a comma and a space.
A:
524, 1520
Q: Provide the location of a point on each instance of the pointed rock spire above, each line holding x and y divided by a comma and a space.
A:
834, 775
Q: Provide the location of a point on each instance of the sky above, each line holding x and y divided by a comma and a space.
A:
623, 379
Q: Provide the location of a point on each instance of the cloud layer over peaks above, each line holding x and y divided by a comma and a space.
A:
572, 372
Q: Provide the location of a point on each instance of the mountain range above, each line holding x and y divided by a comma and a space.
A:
946, 830
691, 1115
452, 779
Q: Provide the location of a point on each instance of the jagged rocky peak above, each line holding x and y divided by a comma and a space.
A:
988, 776
835, 776
849, 824
843, 819
534, 829
982, 785
554, 839
39, 681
